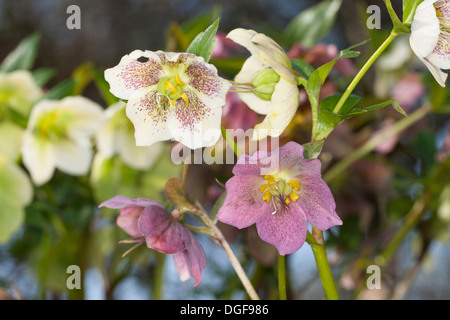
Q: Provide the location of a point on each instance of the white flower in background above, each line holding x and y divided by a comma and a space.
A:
430, 37
266, 82
18, 93
117, 137
170, 96
16, 192
58, 136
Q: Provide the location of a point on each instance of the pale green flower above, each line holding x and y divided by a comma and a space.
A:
16, 192
59, 136
266, 82
18, 93
117, 137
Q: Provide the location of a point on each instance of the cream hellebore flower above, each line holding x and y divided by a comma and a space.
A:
266, 82
58, 136
430, 37
117, 137
18, 93
170, 96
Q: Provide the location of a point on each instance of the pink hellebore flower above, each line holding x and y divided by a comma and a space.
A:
170, 96
280, 202
148, 220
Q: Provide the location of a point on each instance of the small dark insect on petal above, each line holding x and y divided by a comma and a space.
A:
143, 59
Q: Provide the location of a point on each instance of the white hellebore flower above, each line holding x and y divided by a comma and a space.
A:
18, 93
170, 96
430, 37
266, 82
117, 136
59, 136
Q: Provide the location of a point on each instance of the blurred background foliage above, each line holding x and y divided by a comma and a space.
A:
394, 200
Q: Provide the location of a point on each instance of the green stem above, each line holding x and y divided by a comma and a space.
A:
220, 239
362, 72
230, 141
282, 277
411, 219
372, 143
158, 279
320, 255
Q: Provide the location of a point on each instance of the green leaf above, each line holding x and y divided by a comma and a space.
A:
192, 27
204, 42
61, 90
23, 56
328, 120
174, 192
399, 28
217, 205
318, 77
303, 68
409, 10
310, 25
43, 75
103, 87
312, 149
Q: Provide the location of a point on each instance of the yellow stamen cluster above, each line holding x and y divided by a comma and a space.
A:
284, 190
173, 91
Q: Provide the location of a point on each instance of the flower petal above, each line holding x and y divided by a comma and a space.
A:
148, 117
38, 158
437, 73
128, 220
252, 66
119, 202
243, 204
440, 57
72, 158
424, 29
285, 230
195, 125
286, 95
162, 232
204, 80
134, 73
191, 261
317, 202
10, 140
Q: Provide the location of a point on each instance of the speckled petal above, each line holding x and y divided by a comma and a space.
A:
204, 81
137, 70
195, 125
149, 118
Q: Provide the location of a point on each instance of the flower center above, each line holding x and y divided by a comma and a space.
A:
262, 86
280, 189
51, 126
172, 89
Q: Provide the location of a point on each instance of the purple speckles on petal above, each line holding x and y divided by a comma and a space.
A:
204, 79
